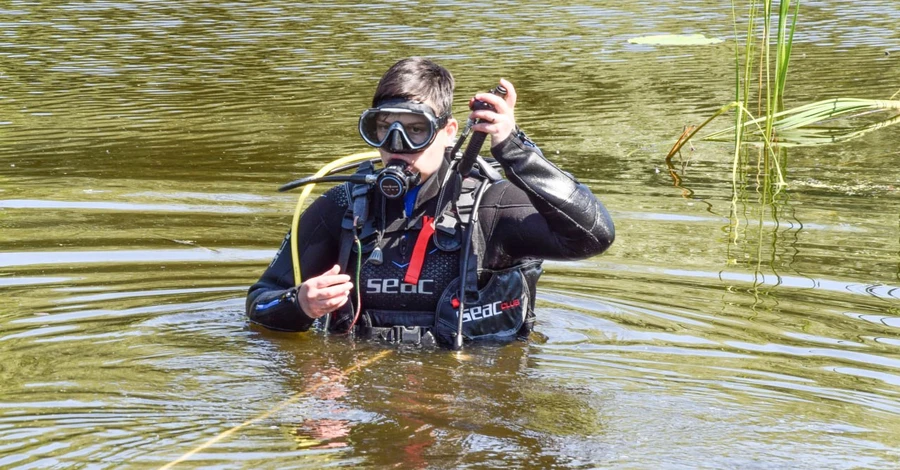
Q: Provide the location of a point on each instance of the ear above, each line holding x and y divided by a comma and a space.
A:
452, 127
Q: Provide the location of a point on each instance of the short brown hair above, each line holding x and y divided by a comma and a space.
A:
419, 79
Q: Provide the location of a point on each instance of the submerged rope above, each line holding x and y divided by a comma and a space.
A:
277, 408
295, 260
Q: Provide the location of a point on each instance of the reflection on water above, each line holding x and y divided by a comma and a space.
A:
133, 256
141, 145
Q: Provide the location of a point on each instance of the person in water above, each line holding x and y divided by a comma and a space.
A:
437, 246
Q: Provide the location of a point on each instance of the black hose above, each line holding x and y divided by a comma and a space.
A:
311, 179
464, 269
471, 154
321, 179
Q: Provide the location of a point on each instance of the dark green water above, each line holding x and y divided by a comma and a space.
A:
141, 144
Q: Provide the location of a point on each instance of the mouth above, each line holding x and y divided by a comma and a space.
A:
409, 159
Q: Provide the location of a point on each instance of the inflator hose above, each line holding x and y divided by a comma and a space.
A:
471, 154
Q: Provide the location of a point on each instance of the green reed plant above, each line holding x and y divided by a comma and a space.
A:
762, 62
776, 127
771, 84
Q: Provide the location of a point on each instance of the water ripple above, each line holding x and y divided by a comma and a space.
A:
28, 258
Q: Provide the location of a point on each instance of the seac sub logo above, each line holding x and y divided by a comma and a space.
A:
480, 312
395, 286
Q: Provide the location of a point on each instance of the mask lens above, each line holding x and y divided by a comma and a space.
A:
368, 128
416, 128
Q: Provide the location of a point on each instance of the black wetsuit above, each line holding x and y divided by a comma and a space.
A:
538, 212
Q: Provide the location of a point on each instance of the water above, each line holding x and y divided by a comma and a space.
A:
141, 144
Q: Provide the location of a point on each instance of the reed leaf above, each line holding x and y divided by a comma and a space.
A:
801, 126
796, 126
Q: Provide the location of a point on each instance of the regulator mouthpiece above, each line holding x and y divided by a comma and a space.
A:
395, 179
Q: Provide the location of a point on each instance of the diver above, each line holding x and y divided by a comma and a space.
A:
436, 246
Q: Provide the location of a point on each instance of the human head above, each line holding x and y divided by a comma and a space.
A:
421, 80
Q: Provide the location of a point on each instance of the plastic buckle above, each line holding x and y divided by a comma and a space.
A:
407, 334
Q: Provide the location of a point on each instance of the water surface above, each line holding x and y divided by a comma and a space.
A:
141, 145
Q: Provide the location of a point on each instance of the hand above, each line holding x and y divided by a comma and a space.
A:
500, 122
324, 294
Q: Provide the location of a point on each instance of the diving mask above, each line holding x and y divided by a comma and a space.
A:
400, 126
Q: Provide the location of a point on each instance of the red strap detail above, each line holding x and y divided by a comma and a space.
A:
418, 254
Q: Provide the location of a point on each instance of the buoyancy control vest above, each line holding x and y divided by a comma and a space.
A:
430, 282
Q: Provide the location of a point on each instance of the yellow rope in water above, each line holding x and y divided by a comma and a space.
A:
295, 257
277, 408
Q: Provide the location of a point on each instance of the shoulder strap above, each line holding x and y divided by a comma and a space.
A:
455, 208
470, 258
347, 232
357, 214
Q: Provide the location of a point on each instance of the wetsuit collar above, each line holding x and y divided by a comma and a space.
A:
429, 189
409, 200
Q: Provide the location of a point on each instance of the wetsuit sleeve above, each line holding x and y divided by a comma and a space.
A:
545, 212
272, 301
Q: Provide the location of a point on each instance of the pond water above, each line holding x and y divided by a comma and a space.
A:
141, 145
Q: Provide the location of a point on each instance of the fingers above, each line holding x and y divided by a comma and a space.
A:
316, 303
335, 290
333, 304
323, 294
498, 102
330, 277
336, 269
511, 95
503, 105
492, 126
328, 280
500, 122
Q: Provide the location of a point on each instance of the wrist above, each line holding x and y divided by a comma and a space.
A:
516, 139
520, 135
501, 136
300, 302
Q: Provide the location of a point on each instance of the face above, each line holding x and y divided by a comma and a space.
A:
428, 161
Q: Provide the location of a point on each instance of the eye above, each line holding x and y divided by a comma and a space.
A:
381, 129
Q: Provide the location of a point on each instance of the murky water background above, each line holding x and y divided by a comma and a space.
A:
141, 144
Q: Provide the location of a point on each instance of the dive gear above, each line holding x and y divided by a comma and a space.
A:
471, 154
295, 222
564, 221
396, 179
401, 126
393, 181
410, 335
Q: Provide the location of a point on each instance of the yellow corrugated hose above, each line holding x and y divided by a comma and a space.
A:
295, 256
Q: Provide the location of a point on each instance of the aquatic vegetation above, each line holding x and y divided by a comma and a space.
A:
763, 128
772, 127
801, 126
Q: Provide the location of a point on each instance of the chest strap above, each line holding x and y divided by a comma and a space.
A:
418, 254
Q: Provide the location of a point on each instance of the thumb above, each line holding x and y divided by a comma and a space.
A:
334, 270
511, 95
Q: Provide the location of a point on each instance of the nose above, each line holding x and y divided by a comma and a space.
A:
395, 142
